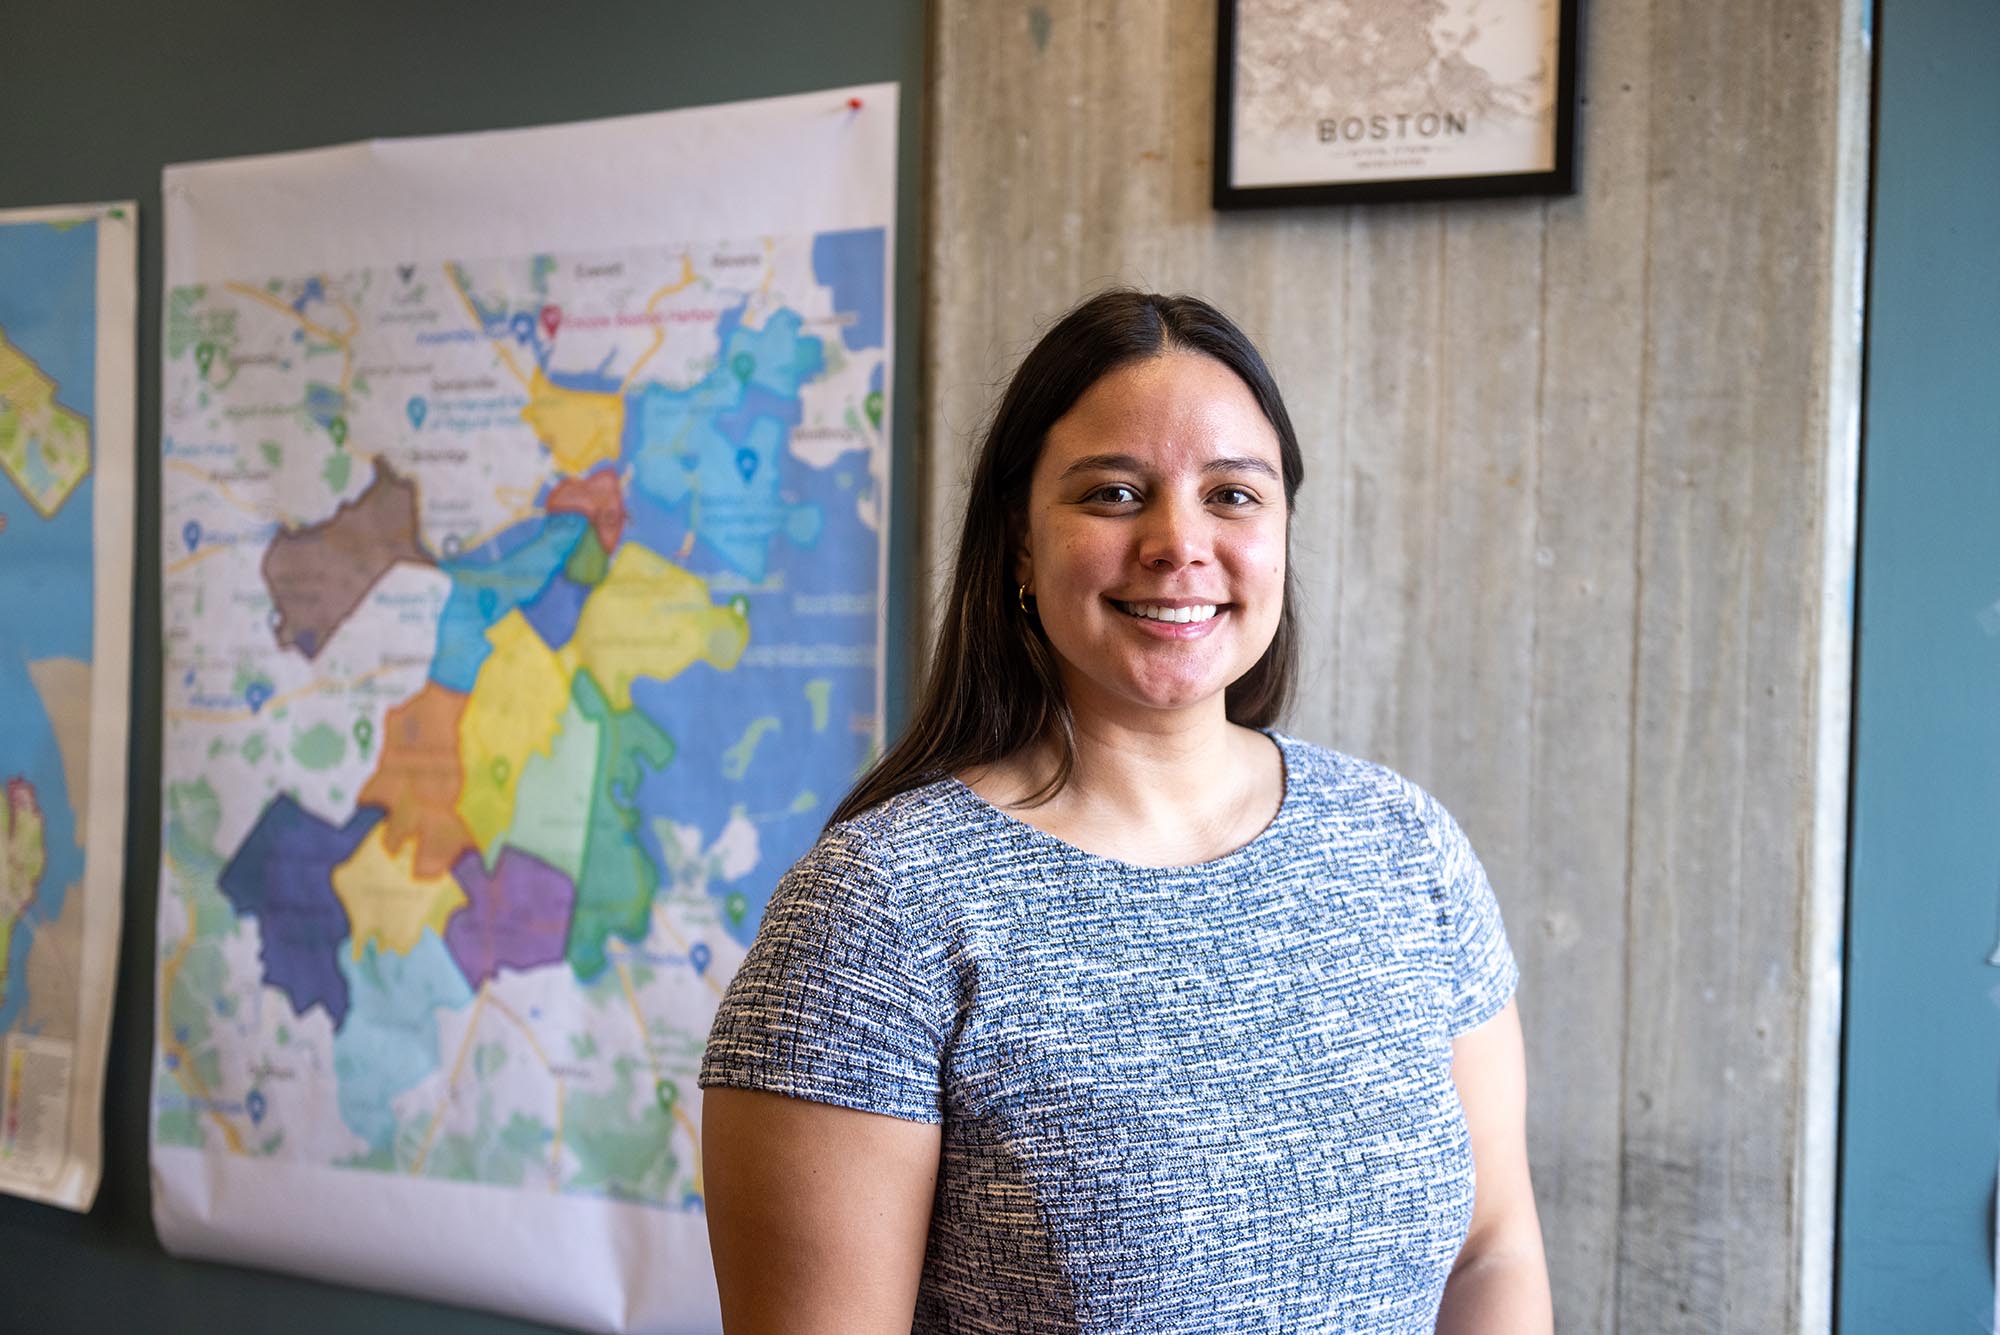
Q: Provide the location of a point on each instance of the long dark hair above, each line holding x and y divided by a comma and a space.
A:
994, 686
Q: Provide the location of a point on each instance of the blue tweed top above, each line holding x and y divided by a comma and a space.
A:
1211, 1098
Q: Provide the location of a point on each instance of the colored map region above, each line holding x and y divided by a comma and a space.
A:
44, 447
522, 629
319, 574
24, 857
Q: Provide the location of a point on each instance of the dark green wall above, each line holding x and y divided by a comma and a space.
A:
95, 97
1921, 1106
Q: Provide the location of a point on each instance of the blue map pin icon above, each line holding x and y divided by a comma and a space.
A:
191, 534
698, 956
416, 408
255, 1103
746, 462
523, 326
255, 694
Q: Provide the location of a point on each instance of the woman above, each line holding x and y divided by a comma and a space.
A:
1100, 1005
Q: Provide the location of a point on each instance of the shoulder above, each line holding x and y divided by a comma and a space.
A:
1330, 779
915, 827
857, 906
916, 838
1365, 799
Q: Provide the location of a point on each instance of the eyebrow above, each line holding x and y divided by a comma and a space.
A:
1126, 463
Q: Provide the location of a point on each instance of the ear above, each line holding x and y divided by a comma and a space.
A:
1023, 564
1024, 559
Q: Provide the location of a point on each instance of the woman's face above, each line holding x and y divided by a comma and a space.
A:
1155, 542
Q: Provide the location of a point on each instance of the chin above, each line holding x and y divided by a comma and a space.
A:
1175, 697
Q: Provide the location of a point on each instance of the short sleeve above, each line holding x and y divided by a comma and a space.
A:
837, 1000
1483, 967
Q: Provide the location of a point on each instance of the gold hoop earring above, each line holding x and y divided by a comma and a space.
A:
1021, 597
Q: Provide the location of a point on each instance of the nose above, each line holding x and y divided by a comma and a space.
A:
1174, 534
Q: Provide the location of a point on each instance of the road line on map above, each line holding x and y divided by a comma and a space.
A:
659, 332
501, 348
183, 1066
290, 697
680, 1112
666, 925
451, 1082
201, 554
284, 308
221, 488
638, 1016
555, 1148
653, 1060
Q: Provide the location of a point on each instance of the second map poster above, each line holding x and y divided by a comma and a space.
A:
524, 507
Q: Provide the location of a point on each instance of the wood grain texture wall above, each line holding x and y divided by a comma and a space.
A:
1562, 546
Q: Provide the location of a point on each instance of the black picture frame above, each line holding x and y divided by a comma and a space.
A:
1560, 179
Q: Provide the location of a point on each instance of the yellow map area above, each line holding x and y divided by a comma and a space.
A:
23, 858
386, 901
650, 618
517, 702
581, 428
44, 447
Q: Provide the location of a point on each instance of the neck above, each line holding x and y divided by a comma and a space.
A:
1160, 788
1157, 764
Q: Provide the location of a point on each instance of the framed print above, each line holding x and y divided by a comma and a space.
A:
1350, 101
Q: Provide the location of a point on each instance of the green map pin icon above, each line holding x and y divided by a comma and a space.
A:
337, 428
666, 1092
364, 733
500, 769
743, 364
873, 406
735, 905
204, 357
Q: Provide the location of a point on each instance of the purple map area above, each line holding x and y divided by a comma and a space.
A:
516, 918
556, 610
282, 877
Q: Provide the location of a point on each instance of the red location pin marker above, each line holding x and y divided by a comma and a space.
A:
551, 320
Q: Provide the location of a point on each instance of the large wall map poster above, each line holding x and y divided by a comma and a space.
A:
68, 316
524, 499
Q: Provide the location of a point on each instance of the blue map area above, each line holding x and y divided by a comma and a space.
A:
718, 448
851, 264
48, 310
492, 580
789, 783
556, 610
323, 404
603, 380
390, 1039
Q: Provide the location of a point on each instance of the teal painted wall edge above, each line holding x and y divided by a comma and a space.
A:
98, 96
1921, 1098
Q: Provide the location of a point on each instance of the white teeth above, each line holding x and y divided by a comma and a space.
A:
1177, 615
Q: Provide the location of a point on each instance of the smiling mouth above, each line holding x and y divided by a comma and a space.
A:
1172, 615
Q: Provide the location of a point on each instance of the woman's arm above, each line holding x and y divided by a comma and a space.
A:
817, 1215
1500, 1282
